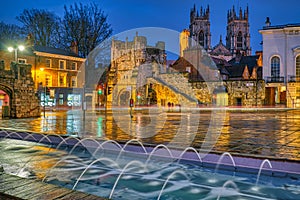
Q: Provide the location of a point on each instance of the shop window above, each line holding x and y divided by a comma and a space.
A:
61, 99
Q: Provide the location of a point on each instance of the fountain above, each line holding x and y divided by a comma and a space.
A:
261, 167
155, 148
122, 172
169, 177
185, 150
221, 158
145, 178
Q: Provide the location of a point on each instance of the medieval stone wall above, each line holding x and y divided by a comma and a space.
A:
246, 92
19, 85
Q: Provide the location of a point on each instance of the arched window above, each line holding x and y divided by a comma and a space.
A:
275, 66
201, 38
239, 40
298, 67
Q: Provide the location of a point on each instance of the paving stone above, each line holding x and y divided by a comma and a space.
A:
17, 188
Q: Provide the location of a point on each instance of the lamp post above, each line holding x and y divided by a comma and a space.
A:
11, 49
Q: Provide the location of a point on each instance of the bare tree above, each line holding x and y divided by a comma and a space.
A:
43, 25
85, 24
11, 34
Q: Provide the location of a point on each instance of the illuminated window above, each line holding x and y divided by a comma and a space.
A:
275, 66
62, 64
239, 40
73, 81
48, 80
201, 38
298, 66
62, 80
48, 63
61, 99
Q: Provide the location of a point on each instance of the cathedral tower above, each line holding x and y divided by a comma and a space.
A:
238, 33
200, 28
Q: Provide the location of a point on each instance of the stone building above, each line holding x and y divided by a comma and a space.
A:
237, 82
53, 68
281, 63
131, 63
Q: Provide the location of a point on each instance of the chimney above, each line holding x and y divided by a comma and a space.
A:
268, 22
29, 40
74, 47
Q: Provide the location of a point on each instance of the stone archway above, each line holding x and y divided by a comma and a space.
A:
6, 94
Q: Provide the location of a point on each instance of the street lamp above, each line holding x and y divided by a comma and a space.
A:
11, 49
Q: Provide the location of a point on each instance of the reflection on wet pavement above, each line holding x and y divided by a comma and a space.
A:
265, 133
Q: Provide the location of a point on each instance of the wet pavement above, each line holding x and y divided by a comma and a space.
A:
261, 132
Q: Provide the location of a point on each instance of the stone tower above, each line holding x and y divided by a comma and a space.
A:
184, 41
200, 28
238, 33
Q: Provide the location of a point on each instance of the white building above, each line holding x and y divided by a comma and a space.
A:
281, 63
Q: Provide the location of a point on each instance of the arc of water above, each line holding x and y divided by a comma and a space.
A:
97, 149
127, 143
155, 148
56, 135
227, 183
81, 142
91, 164
185, 150
45, 136
169, 177
122, 172
13, 133
65, 141
221, 158
28, 136
261, 167
111, 141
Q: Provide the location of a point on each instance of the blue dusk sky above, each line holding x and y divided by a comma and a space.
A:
124, 15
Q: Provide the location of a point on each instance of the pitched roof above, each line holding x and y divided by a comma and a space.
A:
52, 50
249, 61
220, 49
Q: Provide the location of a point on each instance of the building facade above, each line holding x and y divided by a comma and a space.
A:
54, 72
281, 63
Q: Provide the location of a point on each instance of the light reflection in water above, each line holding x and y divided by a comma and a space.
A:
262, 133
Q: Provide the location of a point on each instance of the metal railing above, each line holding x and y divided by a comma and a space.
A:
278, 79
294, 78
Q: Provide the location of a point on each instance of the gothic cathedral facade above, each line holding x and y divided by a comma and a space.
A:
238, 32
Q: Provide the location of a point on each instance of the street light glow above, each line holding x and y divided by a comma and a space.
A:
10, 49
21, 47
